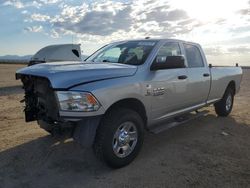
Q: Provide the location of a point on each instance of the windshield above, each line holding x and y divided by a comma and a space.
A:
131, 52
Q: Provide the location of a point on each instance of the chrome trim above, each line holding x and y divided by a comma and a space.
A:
72, 114
213, 101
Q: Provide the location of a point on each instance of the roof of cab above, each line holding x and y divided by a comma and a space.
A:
161, 39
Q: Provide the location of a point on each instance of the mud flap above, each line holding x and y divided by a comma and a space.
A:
30, 115
85, 131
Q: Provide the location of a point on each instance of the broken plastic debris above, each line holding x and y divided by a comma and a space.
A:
224, 133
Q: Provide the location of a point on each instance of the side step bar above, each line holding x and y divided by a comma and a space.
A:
177, 121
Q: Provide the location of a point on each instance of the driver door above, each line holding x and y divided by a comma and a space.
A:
168, 86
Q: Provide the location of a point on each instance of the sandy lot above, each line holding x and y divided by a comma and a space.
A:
196, 154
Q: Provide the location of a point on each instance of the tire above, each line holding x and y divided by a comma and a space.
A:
225, 105
119, 137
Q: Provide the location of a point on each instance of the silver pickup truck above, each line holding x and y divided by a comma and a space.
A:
123, 89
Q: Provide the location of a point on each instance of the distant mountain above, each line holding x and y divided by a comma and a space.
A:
15, 59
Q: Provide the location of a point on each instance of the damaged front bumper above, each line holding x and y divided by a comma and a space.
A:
41, 105
82, 131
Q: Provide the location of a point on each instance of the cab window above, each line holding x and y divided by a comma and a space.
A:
193, 56
168, 49
130, 52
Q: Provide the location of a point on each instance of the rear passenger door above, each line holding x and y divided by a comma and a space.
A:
198, 75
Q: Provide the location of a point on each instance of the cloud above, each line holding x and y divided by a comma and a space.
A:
105, 21
220, 21
111, 18
106, 18
226, 50
40, 17
164, 15
50, 1
24, 12
34, 29
244, 11
240, 49
54, 34
240, 29
176, 15
17, 4
99, 19
239, 41
213, 51
23, 4
29, 3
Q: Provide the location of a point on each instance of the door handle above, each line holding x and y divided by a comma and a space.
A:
182, 77
206, 74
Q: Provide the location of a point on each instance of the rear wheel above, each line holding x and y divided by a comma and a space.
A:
225, 105
119, 137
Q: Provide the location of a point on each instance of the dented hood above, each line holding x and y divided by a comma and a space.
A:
64, 75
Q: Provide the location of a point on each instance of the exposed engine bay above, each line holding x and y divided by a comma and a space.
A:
40, 100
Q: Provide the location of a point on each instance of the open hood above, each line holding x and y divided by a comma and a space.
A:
59, 52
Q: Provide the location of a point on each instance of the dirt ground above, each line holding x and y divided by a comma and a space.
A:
207, 152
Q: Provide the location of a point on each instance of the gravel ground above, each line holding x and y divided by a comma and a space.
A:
207, 152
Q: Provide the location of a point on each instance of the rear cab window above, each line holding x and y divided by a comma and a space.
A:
193, 56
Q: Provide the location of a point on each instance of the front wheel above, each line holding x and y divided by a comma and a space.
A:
119, 137
225, 105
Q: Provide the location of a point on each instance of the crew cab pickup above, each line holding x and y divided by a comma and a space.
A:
123, 89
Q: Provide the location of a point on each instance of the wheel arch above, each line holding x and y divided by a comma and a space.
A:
133, 104
231, 85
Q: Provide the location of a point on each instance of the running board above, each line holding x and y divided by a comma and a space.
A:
177, 121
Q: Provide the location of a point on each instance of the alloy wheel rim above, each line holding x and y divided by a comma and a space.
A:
229, 102
125, 139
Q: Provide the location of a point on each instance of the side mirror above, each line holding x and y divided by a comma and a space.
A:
171, 62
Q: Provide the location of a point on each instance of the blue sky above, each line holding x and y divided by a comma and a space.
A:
222, 27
